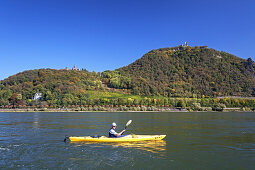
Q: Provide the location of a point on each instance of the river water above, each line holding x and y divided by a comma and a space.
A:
194, 141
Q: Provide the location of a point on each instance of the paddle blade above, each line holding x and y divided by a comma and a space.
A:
128, 123
66, 137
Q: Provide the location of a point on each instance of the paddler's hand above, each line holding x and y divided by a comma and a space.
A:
121, 132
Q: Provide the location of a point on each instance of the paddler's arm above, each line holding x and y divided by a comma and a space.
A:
118, 134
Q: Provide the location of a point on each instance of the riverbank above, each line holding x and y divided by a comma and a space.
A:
154, 109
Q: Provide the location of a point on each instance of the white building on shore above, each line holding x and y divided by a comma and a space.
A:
37, 96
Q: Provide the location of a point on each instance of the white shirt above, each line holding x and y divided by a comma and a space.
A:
113, 132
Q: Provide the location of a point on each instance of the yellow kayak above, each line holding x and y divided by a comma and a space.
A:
127, 138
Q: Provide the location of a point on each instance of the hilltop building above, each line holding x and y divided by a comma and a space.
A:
74, 68
185, 44
180, 47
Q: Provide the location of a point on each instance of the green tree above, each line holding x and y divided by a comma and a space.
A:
181, 103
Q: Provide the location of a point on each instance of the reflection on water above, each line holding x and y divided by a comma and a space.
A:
36, 120
157, 147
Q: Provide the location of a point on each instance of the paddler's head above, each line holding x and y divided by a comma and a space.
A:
114, 125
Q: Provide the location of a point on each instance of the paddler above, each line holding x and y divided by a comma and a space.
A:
113, 133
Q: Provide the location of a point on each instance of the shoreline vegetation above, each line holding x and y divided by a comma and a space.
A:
111, 108
133, 103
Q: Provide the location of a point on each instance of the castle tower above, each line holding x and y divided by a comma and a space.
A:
74, 67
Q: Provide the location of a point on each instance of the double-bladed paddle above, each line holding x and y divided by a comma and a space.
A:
128, 123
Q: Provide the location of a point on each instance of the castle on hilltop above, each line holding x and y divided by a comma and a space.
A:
180, 47
74, 68
185, 44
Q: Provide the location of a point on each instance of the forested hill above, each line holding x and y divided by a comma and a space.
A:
56, 86
187, 71
169, 72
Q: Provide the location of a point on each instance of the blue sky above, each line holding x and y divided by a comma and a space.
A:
107, 34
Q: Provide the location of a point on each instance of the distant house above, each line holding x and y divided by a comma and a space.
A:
37, 96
